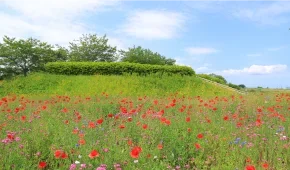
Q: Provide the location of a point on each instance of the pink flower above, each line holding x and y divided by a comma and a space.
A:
72, 167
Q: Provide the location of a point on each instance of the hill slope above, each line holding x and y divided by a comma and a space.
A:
48, 84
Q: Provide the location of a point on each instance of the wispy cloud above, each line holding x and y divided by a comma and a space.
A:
48, 20
256, 70
271, 14
154, 24
200, 50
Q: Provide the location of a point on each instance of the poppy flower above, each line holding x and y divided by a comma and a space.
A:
64, 155
250, 167
92, 125
200, 136
226, 118
187, 119
160, 146
100, 121
42, 165
57, 153
265, 165
82, 142
94, 154
197, 146
122, 126
145, 126
135, 152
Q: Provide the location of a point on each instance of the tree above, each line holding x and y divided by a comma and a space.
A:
61, 53
219, 77
22, 56
242, 86
144, 56
90, 47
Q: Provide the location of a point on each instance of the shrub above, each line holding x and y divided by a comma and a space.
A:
114, 68
213, 78
234, 86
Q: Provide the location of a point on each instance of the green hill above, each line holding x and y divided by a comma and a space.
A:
153, 85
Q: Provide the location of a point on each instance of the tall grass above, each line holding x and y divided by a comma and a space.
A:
127, 85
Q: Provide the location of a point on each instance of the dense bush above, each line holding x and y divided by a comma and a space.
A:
234, 86
113, 68
213, 78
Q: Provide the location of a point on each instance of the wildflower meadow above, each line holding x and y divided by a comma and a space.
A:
173, 131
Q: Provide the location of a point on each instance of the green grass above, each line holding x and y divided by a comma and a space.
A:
48, 84
237, 131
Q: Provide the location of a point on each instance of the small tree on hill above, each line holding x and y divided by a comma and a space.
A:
22, 56
242, 86
90, 47
219, 77
144, 56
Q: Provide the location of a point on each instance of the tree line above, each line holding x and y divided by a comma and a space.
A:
21, 56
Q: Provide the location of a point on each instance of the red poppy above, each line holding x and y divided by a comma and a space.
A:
145, 126
82, 142
130, 142
64, 110
168, 122
265, 165
250, 167
10, 136
23, 118
42, 165
197, 146
57, 153
187, 119
200, 136
122, 126
129, 119
100, 121
135, 152
160, 146
92, 125
64, 155
94, 154
226, 118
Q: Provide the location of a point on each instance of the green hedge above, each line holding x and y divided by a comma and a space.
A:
113, 68
215, 79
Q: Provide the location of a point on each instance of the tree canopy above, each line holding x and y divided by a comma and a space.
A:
22, 56
90, 47
144, 56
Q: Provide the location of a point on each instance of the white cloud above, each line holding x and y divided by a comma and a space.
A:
257, 69
48, 20
254, 55
54, 9
200, 50
273, 14
119, 43
154, 24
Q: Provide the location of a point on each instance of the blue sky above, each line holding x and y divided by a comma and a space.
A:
246, 42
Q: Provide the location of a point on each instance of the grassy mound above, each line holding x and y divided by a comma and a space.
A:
49, 84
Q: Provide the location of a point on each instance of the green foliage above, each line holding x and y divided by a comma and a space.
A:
217, 79
234, 86
144, 56
90, 47
242, 86
22, 56
114, 68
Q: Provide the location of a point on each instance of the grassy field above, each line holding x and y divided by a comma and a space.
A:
129, 122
